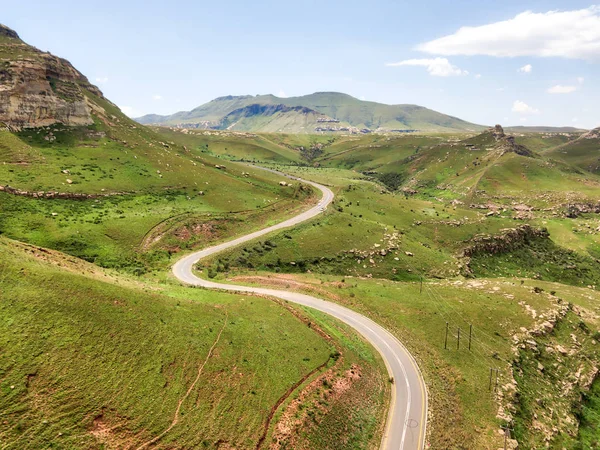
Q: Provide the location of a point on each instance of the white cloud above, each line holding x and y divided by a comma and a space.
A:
439, 67
101, 80
523, 119
575, 119
580, 80
130, 111
560, 89
567, 34
157, 97
500, 89
478, 76
527, 68
523, 108
282, 94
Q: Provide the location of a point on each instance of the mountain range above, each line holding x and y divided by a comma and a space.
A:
318, 112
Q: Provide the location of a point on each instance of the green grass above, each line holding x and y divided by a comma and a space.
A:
582, 153
420, 235
112, 231
589, 428
80, 353
539, 258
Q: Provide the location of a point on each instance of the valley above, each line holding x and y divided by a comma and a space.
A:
302, 272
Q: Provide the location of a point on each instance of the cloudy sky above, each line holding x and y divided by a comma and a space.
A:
512, 62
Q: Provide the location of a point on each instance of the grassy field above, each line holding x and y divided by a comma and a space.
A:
91, 360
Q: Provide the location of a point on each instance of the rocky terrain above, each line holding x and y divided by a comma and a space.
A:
38, 88
592, 134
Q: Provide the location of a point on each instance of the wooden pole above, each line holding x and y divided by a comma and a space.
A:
470, 335
446, 340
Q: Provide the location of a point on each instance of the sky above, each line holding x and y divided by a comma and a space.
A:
525, 62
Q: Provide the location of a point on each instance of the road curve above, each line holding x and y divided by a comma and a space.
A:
407, 416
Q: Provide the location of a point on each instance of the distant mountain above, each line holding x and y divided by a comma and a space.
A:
542, 129
321, 111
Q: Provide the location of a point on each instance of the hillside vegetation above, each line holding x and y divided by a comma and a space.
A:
458, 219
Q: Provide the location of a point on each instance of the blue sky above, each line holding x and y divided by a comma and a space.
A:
512, 66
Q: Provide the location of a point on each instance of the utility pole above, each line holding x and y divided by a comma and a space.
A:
506, 435
496, 387
421, 287
470, 335
446, 340
458, 340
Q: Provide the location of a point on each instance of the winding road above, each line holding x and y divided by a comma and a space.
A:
407, 416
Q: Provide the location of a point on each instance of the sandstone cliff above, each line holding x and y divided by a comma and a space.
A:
38, 88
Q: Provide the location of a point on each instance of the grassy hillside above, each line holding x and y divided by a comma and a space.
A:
345, 108
90, 363
583, 152
386, 243
135, 184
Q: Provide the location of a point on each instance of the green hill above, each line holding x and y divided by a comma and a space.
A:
338, 110
88, 361
583, 152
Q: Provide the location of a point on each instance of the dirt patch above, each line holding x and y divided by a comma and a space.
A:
318, 395
289, 282
207, 230
110, 433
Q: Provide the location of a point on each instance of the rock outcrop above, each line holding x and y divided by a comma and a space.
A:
498, 132
38, 88
507, 144
60, 195
7, 32
592, 134
507, 240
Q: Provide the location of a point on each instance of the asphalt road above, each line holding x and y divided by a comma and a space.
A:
407, 416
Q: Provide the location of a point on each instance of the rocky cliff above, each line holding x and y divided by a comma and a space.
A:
507, 143
38, 88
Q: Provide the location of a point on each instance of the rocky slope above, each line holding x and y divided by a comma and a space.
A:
273, 118
38, 88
